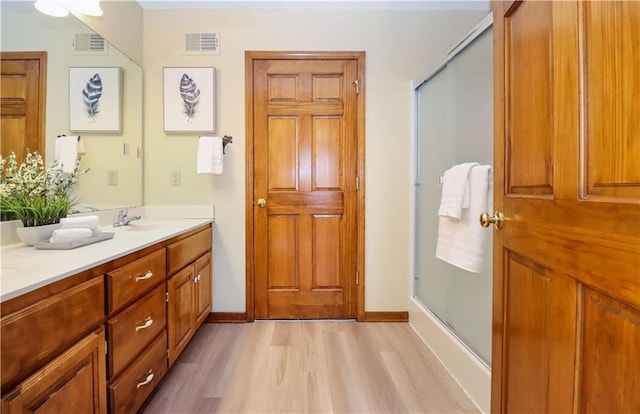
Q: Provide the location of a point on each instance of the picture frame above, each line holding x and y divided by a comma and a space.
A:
189, 99
95, 99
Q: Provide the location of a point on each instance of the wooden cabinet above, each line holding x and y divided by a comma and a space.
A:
189, 290
54, 339
75, 381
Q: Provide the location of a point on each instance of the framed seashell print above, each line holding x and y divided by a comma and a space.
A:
95, 99
189, 99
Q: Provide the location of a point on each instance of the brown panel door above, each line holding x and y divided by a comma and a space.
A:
305, 170
566, 329
23, 78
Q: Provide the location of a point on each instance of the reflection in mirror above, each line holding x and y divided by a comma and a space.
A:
114, 159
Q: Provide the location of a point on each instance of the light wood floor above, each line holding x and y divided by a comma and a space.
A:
308, 367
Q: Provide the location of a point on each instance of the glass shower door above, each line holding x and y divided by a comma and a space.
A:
455, 125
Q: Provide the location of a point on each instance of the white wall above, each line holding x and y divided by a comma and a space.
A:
400, 46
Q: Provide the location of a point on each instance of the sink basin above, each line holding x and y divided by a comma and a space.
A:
141, 226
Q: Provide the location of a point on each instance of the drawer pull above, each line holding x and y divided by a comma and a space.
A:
147, 323
147, 380
147, 275
197, 278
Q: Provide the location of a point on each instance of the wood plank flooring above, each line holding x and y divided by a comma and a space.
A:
308, 367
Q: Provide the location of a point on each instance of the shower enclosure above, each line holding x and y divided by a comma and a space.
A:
454, 124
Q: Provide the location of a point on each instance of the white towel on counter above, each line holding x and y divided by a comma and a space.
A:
81, 222
461, 242
66, 152
210, 159
69, 235
455, 190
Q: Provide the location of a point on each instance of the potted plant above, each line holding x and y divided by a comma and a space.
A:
36, 195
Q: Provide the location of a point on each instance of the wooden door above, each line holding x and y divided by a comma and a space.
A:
306, 165
180, 316
566, 328
23, 82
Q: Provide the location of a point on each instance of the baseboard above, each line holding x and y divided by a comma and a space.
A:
237, 317
386, 317
226, 317
465, 367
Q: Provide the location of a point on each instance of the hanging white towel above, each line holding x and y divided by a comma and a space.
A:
455, 190
462, 242
81, 222
210, 159
66, 152
69, 235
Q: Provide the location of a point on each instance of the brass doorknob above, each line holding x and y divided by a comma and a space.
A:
497, 220
262, 203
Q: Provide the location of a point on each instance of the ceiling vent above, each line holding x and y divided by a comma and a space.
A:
202, 43
89, 43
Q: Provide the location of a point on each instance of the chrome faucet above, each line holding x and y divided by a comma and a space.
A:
124, 219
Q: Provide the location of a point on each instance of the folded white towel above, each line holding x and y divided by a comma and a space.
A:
210, 159
66, 152
81, 222
462, 242
69, 235
455, 190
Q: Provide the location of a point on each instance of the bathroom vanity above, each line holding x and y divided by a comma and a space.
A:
96, 328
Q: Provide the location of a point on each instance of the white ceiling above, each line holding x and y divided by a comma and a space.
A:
315, 4
291, 4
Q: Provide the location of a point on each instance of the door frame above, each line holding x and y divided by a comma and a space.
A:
250, 58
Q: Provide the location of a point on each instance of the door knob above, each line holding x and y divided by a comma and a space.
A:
262, 203
497, 220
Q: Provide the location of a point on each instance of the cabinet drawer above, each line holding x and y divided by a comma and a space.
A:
186, 251
132, 330
133, 280
129, 391
36, 334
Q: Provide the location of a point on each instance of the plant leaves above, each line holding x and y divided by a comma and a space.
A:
190, 95
91, 95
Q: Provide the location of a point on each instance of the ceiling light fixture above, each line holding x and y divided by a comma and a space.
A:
51, 8
58, 8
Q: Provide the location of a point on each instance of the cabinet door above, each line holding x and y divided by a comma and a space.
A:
74, 382
203, 288
181, 320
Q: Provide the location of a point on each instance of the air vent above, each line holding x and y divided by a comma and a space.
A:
202, 43
89, 43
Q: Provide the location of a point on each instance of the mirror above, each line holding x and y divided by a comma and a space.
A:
114, 159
